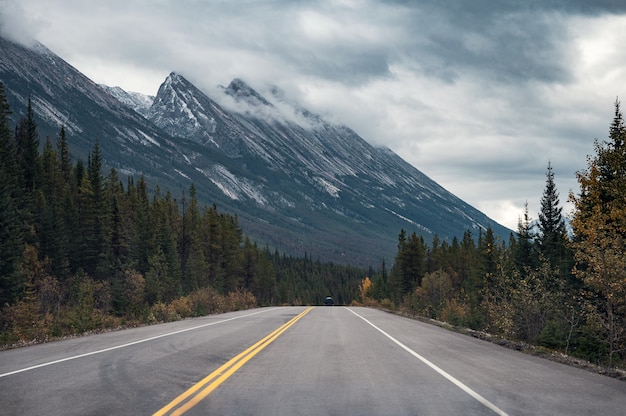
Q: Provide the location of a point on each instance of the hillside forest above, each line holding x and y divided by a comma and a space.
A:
84, 251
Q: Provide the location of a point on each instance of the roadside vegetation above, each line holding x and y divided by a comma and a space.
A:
546, 287
81, 252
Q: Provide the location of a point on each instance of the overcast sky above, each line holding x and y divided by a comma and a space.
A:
479, 95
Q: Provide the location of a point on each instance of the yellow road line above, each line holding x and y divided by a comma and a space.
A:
202, 389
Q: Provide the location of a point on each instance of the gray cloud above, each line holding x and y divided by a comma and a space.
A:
479, 95
14, 25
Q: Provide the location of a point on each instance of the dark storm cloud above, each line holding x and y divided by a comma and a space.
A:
478, 94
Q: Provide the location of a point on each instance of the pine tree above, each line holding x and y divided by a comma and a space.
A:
8, 149
524, 253
27, 139
65, 165
94, 220
489, 256
119, 228
11, 234
231, 239
468, 272
192, 256
52, 232
266, 279
553, 235
142, 242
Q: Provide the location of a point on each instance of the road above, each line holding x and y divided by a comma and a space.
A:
295, 361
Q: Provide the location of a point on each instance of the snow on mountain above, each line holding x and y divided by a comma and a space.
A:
139, 102
296, 182
285, 150
178, 112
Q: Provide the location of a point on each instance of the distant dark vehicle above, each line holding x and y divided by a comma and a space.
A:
329, 301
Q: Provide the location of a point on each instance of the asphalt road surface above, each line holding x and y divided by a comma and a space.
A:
295, 361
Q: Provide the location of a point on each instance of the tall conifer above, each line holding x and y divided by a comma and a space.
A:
11, 237
553, 236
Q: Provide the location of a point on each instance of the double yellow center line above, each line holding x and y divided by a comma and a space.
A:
204, 387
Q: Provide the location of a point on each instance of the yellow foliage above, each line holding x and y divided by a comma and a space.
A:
454, 312
364, 287
182, 307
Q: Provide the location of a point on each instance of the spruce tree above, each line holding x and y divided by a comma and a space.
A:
553, 236
524, 254
53, 235
11, 237
27, 139
65, 165
8, 149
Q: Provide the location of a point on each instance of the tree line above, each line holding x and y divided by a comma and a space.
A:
80, 250
564, 290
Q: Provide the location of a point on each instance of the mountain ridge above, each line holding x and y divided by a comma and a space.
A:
297, 183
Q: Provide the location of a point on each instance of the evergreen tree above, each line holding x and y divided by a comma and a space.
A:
27, 139
8, 149
434, 256
119, 227
65, 164
266, 280
553, 236
94, 220
10, 244
142, 243
489, 256
231, 239
468, 273
165, 240
10, 232
87, 259
192, 256
524, 253
52, 232
409, 266
212, 229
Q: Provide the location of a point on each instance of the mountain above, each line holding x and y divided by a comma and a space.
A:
296, 182
141, 103
62, 96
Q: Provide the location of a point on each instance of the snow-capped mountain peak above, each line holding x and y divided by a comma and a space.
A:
241, 91
296, 182
139, 102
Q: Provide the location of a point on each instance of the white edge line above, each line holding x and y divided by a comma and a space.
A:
454, 380
117, 347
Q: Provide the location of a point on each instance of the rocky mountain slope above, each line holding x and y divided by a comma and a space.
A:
297, 183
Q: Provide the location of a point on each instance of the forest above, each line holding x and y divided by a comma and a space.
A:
559, 289
85, 251
81, 251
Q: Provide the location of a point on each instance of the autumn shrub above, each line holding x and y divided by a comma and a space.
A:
162, 312
240, 299
454, 312
205, 301
388, 304
181, 307
370, 303
23, 324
